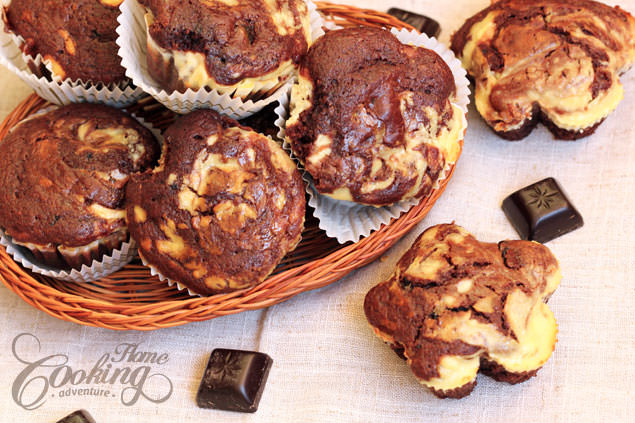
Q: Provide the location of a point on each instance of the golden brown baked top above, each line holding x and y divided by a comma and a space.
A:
239, 38
561, 58
77, 37
64, 172
454, 302
371, 118
224, 207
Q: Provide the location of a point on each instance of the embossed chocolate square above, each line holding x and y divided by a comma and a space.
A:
79, 416
234, 380
541, 212
423, 24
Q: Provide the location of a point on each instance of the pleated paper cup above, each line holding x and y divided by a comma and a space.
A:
133, 50
348, 221
56, 90
106, 265
155, 272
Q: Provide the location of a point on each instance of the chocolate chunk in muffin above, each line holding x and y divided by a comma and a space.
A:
551, 61
372, 119
456, 305
222, 210
77, 38
63, 178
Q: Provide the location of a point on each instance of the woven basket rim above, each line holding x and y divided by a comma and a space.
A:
277, 288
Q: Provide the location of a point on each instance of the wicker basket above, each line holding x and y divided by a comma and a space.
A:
133, 299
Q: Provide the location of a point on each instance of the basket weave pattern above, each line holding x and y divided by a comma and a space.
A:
133, 299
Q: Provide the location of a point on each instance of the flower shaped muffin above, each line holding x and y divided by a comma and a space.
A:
455, 305
223, 208
247, 48
372, 119
554, 61
76, 38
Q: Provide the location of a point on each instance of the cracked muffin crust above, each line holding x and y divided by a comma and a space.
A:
456, 305
247, 48
222, 209
372, 119
63, 180
554, 61
76, 37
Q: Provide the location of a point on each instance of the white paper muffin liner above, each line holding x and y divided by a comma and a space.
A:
98, 269
133, 52
59, 91
155, 272
347, 221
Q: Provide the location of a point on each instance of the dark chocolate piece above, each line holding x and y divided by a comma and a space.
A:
263, 121
423, 24
234, 380
541, 212
79, 416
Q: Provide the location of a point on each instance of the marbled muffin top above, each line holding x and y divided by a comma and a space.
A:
560, 58
222, 210
77, 37
371, 118
64, 172
455, 303
239, 38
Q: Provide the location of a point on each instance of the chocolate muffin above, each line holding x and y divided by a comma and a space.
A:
553, 61
63, 178
76, 38
247, 48
455, 305
372, 119
222, 210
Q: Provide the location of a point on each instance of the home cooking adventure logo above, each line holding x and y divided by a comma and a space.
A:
126, 372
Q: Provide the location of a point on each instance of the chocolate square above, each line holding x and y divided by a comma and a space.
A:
423, 24
263, 121
79, 416
234, 380
541, 212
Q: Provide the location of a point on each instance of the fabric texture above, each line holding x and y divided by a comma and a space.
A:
328, 366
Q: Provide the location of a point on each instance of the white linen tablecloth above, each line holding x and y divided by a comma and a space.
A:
328, 365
